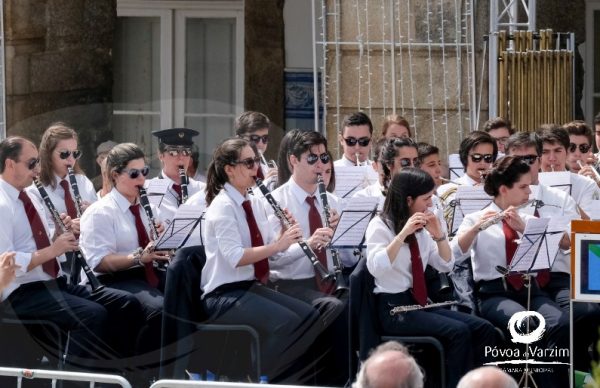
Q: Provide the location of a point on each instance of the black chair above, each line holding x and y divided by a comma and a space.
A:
187, 333
366, 332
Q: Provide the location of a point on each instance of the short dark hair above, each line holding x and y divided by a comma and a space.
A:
389, 151
355, 119
553, 134
522, 140
10, 148
249, 122
120, 155
473, 140
505, 171
425, 150
498, 122
304, 141
284, 171
579, 128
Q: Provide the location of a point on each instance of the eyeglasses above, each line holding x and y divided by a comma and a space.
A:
256, 138
134, 173
363, 141
248, 162
406, 162
584, 148
529, 159
64, 154
176, 151
31, 163
312, 158
476, 158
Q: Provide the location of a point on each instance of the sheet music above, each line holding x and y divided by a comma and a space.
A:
361, 203
349, 180
469, 199
351, 228
549, 249
157, 186
529, 246
183, 223
559, 179
455, 166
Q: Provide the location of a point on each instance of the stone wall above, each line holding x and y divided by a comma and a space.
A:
59, 68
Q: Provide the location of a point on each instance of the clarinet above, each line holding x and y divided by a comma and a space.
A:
76, 193
184, 184
151, 224
341, 285
279, 213
94, 282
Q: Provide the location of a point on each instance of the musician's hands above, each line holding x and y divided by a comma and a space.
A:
432, 225
272, 173
484, 217
149, 254
85, 205
334, 218
288, 237
588, 171
414, 223
7, 268
289, 216
160, 227
65, 242
75, 226
67, 222
320, 238
512, 218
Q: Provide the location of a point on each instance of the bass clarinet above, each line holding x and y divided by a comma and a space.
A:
76, 193
341, 285
279, 213
184, 184
94, 282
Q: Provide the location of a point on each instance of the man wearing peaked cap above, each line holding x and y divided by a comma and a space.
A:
174, 153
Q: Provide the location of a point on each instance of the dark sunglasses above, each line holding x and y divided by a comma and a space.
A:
363, 141
176, 151
529, 159
584, 148
406, 162
31, 163
248, 162
255, 138
134, 173
476, 158
312, 158
65, 154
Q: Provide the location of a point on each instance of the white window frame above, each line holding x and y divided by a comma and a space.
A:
588, 84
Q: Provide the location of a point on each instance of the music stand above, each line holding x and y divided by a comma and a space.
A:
468, 199
351, 228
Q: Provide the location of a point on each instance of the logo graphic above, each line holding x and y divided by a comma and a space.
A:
519, 330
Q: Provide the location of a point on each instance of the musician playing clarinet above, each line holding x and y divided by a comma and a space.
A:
238, 243
400, 243
499, 296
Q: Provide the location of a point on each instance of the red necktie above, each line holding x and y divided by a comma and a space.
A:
69, 203
39, 233
261, 267
510, 235
418, 275
177, 189
543, 276
143, 240
314, 221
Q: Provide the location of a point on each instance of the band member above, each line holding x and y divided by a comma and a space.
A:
580, 158
430, 162
501, 297
500, 129
255, 126
400, 243
555, 143
376, 189
94, 321
395, 126
283, 155
174, 152
355, 139
238, 244
116, 240
7, 269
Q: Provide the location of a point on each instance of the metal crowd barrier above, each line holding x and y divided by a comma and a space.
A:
56, 375
214, 384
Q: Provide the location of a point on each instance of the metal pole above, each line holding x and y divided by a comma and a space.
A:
493, 61
315, 72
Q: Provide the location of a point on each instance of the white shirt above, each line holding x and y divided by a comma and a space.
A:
463, 180
584, 190
293, 263
374, 190
16, 236
489, 246
227, 235
396, 277
108, 227
169, 202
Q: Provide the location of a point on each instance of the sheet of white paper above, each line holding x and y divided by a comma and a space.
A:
349, 180
559, 179
549, 249
469, 199
351, 228
184, 220
157, 186
529, 245
361, 203
455, 166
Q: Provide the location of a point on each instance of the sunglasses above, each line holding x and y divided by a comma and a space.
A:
134, 173
363, 141
584, 148
31, 163
65, 154
256, 139
312, 158
176, 151
406, 162
529, 159
248, 162
476, 158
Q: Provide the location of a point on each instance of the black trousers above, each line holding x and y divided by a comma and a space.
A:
463, 336
287, 326
97, 322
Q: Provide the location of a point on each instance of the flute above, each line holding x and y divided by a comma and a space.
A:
498, 217
413, 307
184, 184
280, 214
94, 282
76, 193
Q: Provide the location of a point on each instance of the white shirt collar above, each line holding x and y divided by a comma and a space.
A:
300, 193
234, 194
122, 202
165, 176
9, 189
